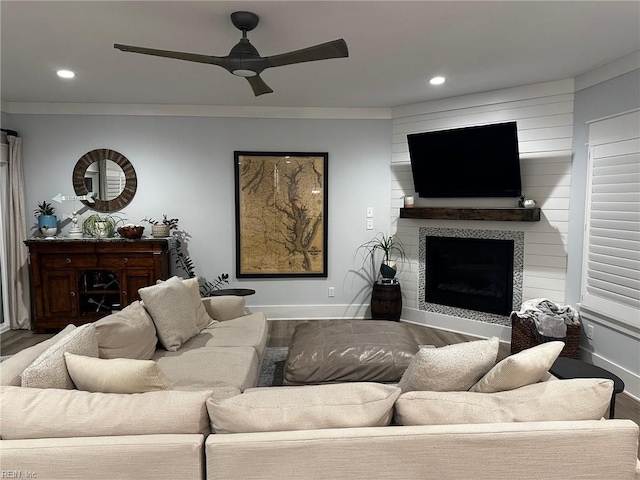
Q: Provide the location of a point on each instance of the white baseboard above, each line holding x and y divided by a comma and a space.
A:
311, 312
630, 379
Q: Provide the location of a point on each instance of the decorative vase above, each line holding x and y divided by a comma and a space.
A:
48, 225
529, 203
388, 269
160, 231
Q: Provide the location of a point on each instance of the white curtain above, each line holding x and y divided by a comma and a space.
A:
18, 271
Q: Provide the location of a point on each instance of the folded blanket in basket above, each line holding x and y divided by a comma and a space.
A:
550, 319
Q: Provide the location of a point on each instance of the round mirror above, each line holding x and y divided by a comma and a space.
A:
109, 176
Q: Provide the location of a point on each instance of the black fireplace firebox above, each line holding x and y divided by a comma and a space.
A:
471, 273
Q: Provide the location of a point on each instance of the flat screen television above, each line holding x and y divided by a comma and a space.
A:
479, 161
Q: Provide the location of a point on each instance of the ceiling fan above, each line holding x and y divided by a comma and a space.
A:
244, 60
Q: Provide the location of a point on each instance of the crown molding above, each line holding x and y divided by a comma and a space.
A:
610, 70
34, 108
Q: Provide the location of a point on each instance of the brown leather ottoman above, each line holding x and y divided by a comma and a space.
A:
348, 351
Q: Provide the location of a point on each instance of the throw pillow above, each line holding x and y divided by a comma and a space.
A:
12, 367
577, 399
203, 320
129, 333
172, 311
304, 408
451, 368
52, 413
524, 368
117, 375
49, 370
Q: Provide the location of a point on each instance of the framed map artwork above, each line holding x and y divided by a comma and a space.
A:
281, 214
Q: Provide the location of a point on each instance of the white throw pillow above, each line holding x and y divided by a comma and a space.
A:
49, 370
304, 408
129, 333
524, 368
117, 375
172, 311
577, 399
451, 368
203, 320
12, 368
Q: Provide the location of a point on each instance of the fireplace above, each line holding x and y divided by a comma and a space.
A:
470, 273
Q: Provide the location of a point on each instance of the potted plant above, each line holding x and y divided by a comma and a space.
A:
47, 221
392, 250
162, 228
100, 226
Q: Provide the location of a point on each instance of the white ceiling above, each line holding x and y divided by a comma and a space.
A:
394, 46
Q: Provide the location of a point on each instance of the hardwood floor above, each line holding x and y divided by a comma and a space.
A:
280, 332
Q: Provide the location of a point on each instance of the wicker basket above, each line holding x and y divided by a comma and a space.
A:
525, 335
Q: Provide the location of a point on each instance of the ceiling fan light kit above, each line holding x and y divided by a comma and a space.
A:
244, 60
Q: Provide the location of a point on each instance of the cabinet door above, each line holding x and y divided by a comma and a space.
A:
60, 296
132, 280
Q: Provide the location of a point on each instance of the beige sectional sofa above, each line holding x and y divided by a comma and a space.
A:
316, 432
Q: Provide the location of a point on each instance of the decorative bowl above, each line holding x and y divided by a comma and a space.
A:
131, 231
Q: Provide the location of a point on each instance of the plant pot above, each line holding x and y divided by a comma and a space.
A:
388, 269
48, 225
160, 231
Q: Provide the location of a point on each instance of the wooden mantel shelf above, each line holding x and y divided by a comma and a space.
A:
465, 213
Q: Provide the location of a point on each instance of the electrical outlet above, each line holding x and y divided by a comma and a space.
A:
590, 332
332, 291
369, 212
369, 223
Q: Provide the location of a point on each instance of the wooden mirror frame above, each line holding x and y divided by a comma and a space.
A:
131, 181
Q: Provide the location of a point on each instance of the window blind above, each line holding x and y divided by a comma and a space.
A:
611, 264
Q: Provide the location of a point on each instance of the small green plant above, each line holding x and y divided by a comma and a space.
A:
390, 245
44, 208
172, 223
100, 226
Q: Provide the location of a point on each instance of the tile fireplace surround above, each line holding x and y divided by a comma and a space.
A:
518, 266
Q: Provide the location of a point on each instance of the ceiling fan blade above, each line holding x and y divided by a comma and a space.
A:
258, 85
189, 57
324, 51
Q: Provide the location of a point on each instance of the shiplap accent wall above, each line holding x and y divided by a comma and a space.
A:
544, 115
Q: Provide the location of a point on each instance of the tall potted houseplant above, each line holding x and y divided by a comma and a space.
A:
392, 250
47, 221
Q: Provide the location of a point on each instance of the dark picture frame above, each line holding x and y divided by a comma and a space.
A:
281, 214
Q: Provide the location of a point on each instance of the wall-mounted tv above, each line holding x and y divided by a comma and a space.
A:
479, 161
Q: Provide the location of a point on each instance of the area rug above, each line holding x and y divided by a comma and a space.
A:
272, 370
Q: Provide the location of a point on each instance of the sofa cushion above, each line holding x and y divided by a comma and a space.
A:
224, 307
578, 399
202, 317
13, 367
523, 368
116, 375
49, 370
194, 368
304, 408
44, 413
248, 331
172, 311
129, 333
451, 368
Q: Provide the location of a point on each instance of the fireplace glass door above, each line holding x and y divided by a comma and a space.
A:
471, 273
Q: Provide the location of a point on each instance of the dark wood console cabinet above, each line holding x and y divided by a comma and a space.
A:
81, 280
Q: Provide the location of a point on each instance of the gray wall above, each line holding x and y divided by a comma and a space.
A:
185, 169
614, 96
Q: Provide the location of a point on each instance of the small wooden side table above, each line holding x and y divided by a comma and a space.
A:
386, 302
566, 368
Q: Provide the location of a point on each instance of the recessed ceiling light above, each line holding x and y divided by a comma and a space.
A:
65, 74
437, 81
